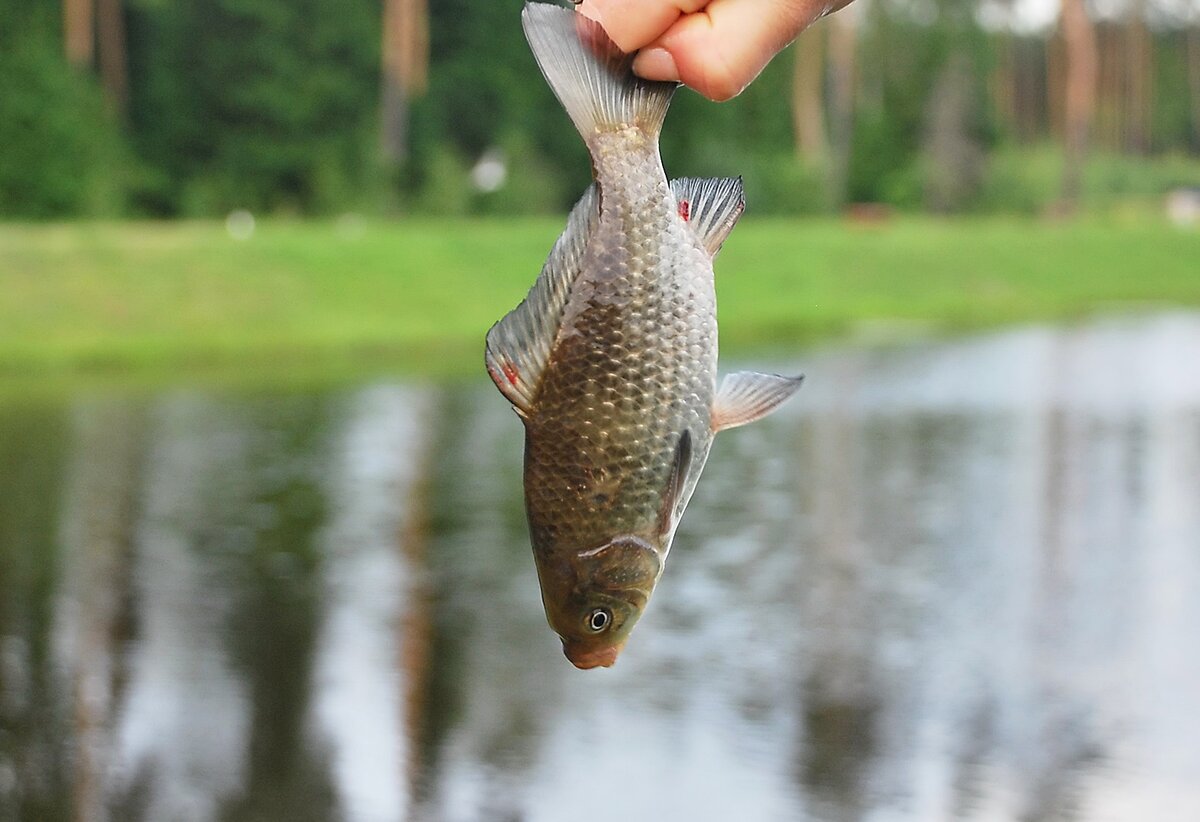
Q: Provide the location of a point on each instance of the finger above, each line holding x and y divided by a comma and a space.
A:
633, 23
719, 50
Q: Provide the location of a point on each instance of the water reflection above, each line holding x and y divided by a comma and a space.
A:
950, 581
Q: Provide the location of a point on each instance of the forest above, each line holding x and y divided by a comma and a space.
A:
194, 108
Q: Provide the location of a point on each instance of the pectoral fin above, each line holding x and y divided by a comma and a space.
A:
710, 206
518, 346
676, 483
748, 396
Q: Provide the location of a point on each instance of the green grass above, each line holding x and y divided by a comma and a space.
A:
418, 295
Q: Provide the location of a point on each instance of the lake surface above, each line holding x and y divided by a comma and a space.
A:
950, 580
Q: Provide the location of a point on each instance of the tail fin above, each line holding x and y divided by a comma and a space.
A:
591, 77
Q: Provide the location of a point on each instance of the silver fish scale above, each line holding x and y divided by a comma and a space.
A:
632, 367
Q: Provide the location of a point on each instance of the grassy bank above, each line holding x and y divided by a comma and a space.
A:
417, 296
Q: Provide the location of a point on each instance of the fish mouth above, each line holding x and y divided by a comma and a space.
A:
587, 658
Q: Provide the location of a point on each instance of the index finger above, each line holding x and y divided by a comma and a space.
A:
632, 24
722, 49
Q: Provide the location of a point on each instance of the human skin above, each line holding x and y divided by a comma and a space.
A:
716, 47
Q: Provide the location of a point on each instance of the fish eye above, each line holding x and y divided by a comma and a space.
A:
598, 620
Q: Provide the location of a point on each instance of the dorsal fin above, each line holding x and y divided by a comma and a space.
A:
711, 206
676, 482
748, 396
518, 346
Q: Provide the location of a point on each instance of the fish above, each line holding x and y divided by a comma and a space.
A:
611, 359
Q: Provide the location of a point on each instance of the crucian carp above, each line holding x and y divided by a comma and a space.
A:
611, 359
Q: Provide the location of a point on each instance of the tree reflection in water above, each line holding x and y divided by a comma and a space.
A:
952, 581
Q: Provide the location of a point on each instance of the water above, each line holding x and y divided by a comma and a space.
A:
950, 580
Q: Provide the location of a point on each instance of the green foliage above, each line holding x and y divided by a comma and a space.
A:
780, 184
1022, 180
255, 104
1027, 180
445, 185
532, 184
1111, 178
486, 93
904, 59
1171, 125
61, 153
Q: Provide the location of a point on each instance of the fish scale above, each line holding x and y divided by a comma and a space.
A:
611, 359
635, 364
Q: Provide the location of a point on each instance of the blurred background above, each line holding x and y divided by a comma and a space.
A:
148, 108
263, 553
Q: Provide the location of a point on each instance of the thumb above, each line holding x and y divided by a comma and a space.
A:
720, 49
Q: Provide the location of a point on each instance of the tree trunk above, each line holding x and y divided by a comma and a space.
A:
1192, 46
843, 48
1056, 94
953, 159
1110, 89
393, 114
1004, 83
1079, 38
79, 36
405, 58
1029, 79
808, 104
1140, 69
114, 76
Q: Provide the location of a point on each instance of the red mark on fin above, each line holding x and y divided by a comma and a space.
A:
685, 210
510, 372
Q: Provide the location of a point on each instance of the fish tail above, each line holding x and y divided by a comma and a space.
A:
592, 78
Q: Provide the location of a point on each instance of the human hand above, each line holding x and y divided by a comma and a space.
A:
715, 46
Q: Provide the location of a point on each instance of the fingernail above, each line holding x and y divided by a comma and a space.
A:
656, 64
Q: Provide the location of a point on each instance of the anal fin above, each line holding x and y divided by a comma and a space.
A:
747, 396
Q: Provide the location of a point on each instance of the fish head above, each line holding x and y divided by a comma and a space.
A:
594, 599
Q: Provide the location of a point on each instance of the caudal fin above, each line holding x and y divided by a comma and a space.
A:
591, 77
